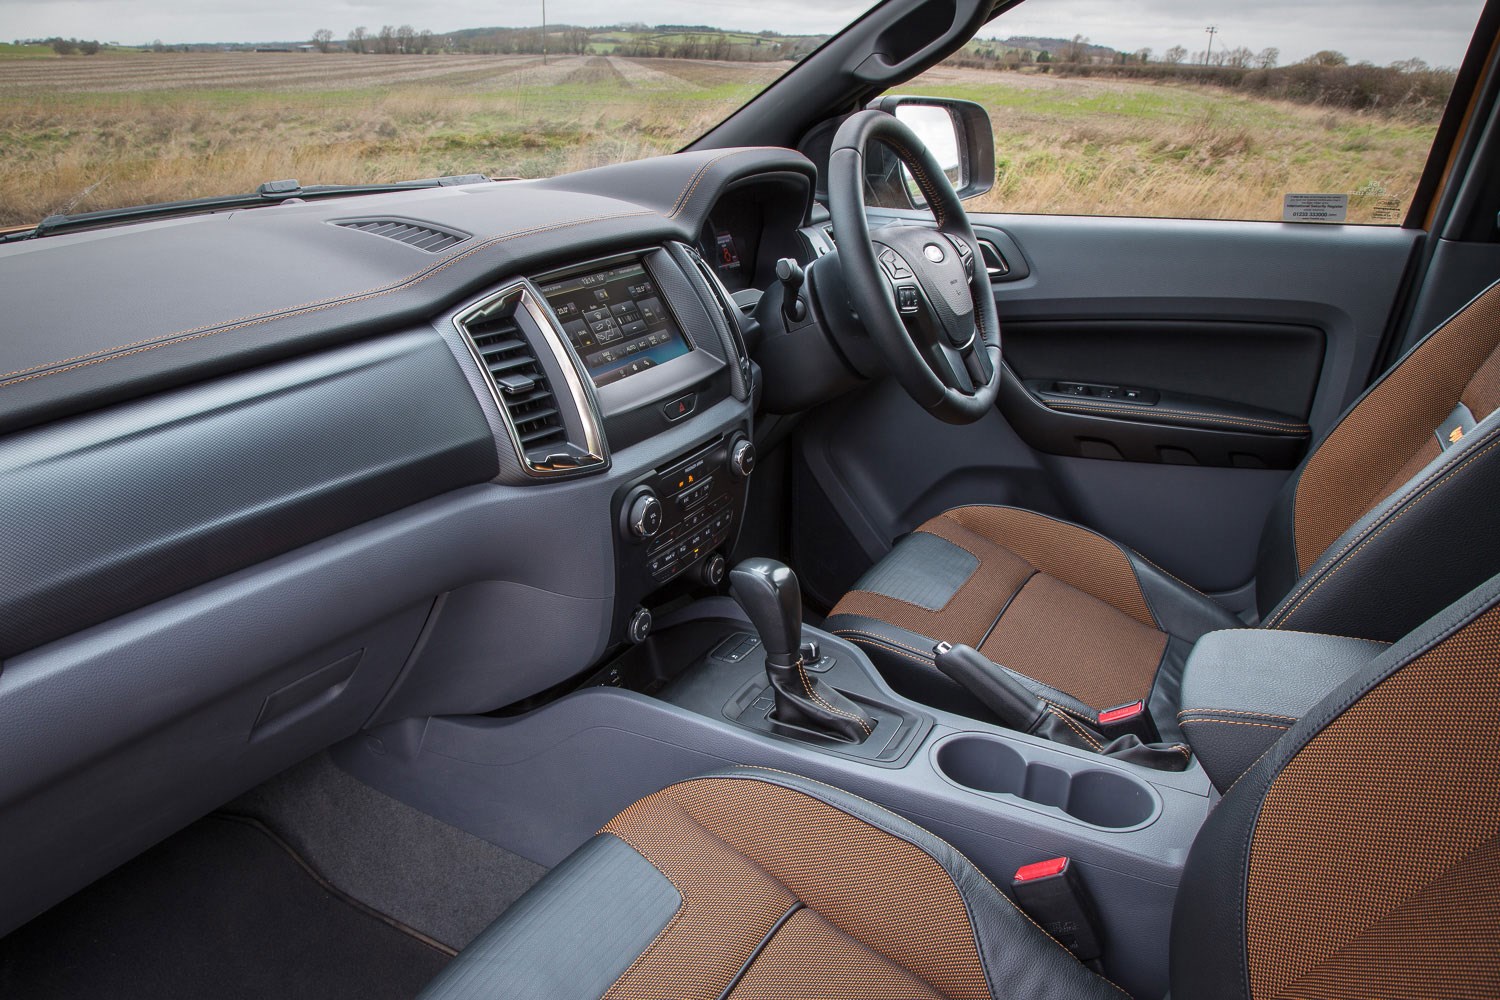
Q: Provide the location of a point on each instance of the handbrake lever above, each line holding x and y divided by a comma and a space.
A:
1013, 704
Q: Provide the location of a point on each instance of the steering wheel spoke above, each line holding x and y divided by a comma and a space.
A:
977, 363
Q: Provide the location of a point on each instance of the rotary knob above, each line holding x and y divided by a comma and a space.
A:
644, 518
714, 568
742, 457
638, 628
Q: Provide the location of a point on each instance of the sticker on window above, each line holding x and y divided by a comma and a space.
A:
1315, 208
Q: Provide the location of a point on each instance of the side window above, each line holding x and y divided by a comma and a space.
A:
1309, 112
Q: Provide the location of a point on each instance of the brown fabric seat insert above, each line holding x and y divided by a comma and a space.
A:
744, 853
1387, 438
1049, 600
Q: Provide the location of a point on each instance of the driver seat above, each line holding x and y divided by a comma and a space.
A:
1391, 518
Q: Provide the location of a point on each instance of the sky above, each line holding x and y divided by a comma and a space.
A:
1380, 31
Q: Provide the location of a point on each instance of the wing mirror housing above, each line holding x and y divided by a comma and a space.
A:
959, 135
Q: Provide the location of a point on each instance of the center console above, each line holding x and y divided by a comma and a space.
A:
658, 342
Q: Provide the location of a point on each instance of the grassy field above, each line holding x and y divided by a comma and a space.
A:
85, 133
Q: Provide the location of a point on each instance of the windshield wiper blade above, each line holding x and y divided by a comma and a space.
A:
269, 193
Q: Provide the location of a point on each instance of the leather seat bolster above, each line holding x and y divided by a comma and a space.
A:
571, 935
1412, 555
1179, 610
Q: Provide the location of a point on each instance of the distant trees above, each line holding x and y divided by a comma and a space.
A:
1326, 57
1239, 58
1075, 50
73, 46
385, 42
1268, 58
1175, 55
1410, 66
357, 38
322, 39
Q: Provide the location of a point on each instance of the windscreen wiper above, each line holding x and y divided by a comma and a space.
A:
269, 193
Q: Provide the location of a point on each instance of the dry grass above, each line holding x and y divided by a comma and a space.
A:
1111, 147
82, 134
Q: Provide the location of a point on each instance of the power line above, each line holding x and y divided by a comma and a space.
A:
1212, 30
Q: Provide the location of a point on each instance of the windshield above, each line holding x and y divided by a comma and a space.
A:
105, 105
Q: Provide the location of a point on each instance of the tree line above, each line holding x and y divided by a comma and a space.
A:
671, 42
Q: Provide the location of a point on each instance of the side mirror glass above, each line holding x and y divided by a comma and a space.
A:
934, 125
957, 133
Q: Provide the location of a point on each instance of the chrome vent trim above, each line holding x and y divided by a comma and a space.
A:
555, 428
727, 308
422, 235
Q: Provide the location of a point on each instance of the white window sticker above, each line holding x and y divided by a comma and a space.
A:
1315, 208
1386, 210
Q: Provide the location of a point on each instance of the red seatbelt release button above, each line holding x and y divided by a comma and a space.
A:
1121, 713
1051, 893
1041, 869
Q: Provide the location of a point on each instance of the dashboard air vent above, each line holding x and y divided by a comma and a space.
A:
523, 387
550, 416
422, 236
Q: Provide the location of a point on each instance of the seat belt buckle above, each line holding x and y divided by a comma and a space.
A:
1130, 717
1050, 893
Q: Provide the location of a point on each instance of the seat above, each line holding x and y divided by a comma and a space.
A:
1326, 871
1388, 520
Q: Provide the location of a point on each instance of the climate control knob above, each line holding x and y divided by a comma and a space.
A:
713, 570
644, 517
742, 457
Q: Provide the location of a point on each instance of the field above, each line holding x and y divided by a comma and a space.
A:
83, 133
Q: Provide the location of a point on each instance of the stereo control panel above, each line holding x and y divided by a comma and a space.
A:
682, 518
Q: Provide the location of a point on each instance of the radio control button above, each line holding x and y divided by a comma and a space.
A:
742, 457
644, 519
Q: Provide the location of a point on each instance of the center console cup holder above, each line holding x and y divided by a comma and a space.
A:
1102, 797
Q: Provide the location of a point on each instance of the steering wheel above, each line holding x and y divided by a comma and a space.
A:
922, 295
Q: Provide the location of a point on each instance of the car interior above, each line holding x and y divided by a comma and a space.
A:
749, 572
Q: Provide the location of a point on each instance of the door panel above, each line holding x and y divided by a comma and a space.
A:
1257, 318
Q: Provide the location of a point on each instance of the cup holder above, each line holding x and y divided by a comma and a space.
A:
1104, 798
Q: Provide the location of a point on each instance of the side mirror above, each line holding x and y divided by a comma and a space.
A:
959, 135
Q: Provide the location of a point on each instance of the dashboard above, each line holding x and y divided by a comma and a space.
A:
272, 479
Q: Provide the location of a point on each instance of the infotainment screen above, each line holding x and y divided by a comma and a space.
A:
616, 321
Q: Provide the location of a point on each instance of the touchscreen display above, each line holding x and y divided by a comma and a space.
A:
616, 321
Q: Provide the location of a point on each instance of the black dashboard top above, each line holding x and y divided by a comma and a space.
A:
99, 317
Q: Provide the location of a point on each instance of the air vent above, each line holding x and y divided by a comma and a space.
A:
505, 333
422, 236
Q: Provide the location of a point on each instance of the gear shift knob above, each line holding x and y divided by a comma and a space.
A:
769, 593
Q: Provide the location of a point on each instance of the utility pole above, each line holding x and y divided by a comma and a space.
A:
1208, 60
544, 32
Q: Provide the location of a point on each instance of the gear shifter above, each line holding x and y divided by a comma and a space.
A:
768, 592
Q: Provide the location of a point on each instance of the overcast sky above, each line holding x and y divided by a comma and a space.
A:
1378, 30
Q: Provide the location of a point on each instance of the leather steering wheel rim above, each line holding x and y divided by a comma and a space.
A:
872, 288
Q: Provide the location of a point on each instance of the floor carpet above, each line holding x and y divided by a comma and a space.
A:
222, 909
